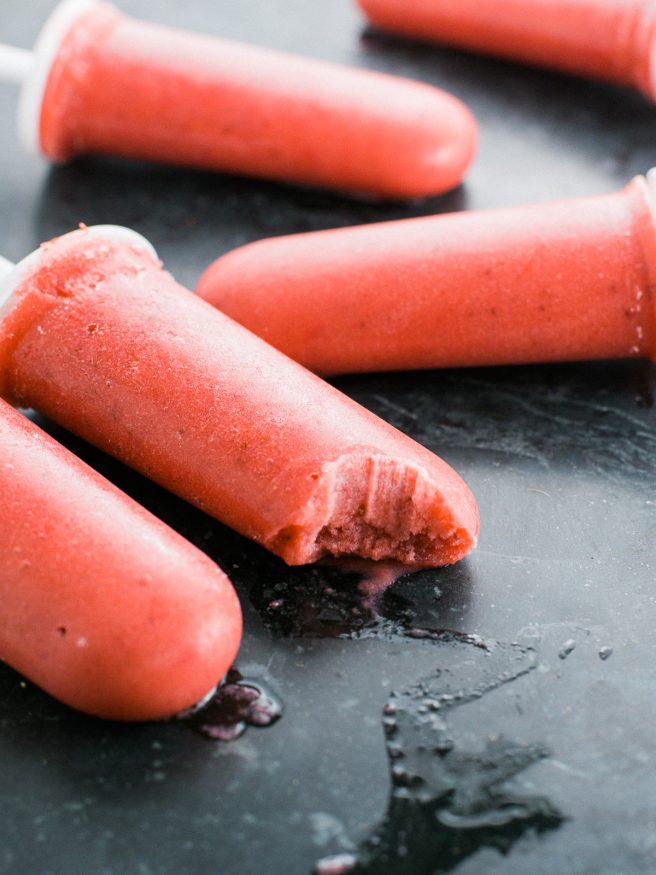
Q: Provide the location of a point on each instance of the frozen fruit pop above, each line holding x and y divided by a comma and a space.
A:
606, 39
103, 605
100, 82
551, 282
99, 338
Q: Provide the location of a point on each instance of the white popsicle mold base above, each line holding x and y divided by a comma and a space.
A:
36, 76
11, 274
650, 177
15, 64
6, 267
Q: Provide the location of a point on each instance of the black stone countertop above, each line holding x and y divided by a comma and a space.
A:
526, 704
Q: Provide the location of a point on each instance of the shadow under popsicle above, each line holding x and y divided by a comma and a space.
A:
193, 216
544, 134
459, 71
317, 600
463, 415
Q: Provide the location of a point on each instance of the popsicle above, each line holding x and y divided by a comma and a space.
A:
103, 605
549, 282
100, 82
100, 339
605, 39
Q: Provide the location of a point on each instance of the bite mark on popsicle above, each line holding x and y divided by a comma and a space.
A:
375, 507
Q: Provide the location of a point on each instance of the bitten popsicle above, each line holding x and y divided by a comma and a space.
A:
550, 282
605, 39
100, 339
103, 605
100, 82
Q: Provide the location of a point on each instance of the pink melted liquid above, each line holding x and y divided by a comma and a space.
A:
236, 704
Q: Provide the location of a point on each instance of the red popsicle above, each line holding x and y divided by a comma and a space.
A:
103, 605
100, 82
607, 39
550, 282
99, 338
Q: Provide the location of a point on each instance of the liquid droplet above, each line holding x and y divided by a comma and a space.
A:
237, 703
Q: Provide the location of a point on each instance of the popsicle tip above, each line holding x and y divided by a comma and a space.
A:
457, 150
438, 157
374, 506
173, 661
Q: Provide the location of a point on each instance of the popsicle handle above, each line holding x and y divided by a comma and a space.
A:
6, 266
650, 176
6, 288
15, 64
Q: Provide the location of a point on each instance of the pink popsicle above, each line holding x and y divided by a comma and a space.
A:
606, 39
99, 338
551, 282
103, 605
105, 83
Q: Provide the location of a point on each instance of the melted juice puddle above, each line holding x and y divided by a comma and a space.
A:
238, 703
448, 795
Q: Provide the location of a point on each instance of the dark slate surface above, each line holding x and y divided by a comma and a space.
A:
527, 729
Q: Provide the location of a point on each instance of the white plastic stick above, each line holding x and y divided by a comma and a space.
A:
15, 64
6, 266
30, 70
7, 282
